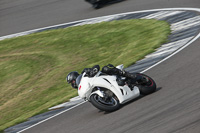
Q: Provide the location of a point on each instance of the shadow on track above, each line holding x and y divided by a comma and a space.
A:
134, 100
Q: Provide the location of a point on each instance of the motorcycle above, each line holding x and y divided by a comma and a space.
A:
100, 3
108, 92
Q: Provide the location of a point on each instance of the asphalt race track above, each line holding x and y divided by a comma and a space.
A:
22, 15
175, 107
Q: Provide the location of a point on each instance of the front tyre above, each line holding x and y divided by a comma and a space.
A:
147, 88
105, 104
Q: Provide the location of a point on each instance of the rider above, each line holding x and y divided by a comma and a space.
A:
109, 69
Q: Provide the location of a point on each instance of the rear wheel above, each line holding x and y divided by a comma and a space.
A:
96, 6
148, 87
107, 103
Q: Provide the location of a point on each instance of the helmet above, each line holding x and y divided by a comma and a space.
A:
71, 78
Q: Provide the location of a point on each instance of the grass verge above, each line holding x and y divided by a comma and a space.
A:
34, 67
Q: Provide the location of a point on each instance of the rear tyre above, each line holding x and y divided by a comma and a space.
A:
96, 6
109, 104
147, 88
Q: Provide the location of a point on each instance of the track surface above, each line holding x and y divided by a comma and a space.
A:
175, 107
22, 15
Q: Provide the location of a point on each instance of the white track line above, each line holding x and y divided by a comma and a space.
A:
161, 15
190, 42
185, 24
51, 117
169, 47
121, 14
172, 9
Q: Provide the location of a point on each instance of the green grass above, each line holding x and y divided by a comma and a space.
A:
33, 68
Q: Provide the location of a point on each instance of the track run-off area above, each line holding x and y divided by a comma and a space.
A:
175, 107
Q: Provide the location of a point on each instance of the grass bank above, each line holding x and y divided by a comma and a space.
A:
34, 67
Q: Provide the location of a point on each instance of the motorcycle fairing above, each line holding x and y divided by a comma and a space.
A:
123, 93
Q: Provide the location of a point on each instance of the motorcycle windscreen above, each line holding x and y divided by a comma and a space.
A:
78, 79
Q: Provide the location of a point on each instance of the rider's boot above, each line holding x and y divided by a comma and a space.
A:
129, 75
135, 77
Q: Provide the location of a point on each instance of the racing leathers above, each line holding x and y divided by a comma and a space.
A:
112, 70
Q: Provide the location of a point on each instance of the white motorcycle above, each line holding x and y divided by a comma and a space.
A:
108, 92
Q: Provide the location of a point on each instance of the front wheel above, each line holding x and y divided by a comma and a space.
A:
148, 87
108, 104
